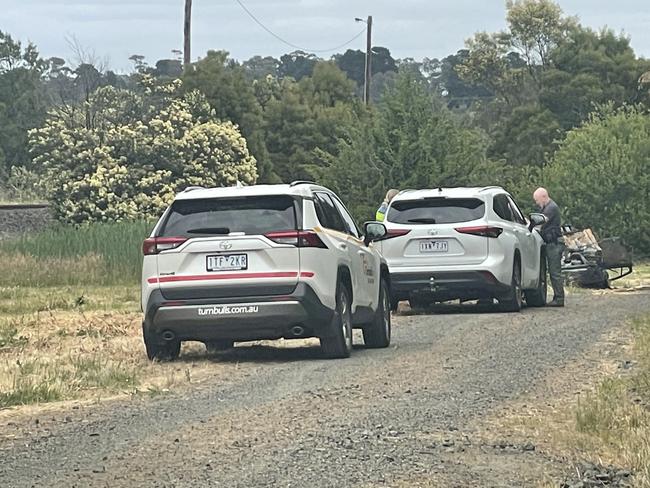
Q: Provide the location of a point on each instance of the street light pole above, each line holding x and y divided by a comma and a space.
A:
368, 64
366, 89
187, 33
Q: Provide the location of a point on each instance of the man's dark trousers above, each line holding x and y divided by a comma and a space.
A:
554, 261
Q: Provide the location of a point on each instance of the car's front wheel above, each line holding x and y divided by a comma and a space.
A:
376, 334
338, 341
213, 347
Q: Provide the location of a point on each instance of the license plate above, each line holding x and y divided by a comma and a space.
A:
227, 262
434, 246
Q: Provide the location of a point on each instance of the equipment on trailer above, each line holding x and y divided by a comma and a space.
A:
590, 263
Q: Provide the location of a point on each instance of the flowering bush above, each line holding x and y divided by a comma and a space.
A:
123, 155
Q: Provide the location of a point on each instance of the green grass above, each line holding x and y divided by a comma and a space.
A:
20, 300
98, 254
617, 414
38, 381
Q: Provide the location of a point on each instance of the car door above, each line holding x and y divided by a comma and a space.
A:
364, 261
336, 233
528, 245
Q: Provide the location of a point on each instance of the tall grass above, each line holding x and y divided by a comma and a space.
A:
99, 254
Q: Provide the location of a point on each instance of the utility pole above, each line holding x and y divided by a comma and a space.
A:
187, 33
366, 87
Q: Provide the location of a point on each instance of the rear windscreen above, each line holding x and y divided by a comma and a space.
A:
221, 216
436, 211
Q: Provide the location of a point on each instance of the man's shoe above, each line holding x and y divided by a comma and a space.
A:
555, 303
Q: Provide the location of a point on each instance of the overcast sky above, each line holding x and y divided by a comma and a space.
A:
116, 29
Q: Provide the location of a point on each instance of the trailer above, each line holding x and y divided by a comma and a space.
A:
591, 263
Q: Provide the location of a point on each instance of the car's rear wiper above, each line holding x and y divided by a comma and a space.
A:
423, 220
221, 231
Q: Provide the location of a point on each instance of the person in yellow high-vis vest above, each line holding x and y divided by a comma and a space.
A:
381, 211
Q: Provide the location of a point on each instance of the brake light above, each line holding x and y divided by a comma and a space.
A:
298, 238
154, 245
391, 233
481, 230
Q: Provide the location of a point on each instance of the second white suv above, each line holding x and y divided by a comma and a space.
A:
262, 262
463, 243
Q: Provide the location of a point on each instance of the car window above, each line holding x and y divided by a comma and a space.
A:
331, 218
502, 208
347, 218
438, 210
516, 212
251, 215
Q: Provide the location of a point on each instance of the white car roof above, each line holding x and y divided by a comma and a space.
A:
459, 192
303, 189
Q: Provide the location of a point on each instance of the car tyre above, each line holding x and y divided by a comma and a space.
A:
417, 303
514, 300
338, 342
157, 351
377, 333
537, 297
213, 347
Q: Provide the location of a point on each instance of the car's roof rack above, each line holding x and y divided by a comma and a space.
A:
192, 188
302, 182
493, 187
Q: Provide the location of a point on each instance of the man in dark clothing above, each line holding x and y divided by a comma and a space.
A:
551, 232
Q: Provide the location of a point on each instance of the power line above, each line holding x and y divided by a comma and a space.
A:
261, 24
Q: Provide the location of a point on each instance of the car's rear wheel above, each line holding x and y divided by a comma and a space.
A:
218, 346
338, 342
161, 351
514, 301
418, 303
537, 297
377, 333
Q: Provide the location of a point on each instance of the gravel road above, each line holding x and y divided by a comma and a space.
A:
403, 416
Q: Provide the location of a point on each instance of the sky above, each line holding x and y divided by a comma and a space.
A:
116, 29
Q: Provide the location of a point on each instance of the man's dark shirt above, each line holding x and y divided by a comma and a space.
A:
551, 230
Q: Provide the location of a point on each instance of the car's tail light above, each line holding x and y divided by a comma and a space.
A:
298, 238
391, 233
481, 230
154, 245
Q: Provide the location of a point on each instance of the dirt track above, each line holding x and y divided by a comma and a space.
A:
405, 416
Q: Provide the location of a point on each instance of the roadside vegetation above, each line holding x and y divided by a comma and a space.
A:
97, 254
613, 422
82, 343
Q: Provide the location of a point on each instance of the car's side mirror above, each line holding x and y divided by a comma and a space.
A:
373, 231
536, 219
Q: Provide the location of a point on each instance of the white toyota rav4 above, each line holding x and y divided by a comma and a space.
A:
262, 262
463, 243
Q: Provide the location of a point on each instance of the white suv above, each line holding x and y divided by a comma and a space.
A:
463, 243
262, 262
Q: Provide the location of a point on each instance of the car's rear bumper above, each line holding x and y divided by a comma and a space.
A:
447, 285
238, 319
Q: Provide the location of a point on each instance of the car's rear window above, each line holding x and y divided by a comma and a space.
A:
216, 216
436, 211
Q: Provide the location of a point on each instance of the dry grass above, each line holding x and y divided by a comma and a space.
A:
595, 410
54, 348
640, 277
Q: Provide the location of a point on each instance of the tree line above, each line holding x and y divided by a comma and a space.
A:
546, 101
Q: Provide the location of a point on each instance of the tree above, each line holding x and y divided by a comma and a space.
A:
139, 151
536, 27
410, 140
600, 175
258, 67
307, 116
232, 97
297, 65
22, 100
